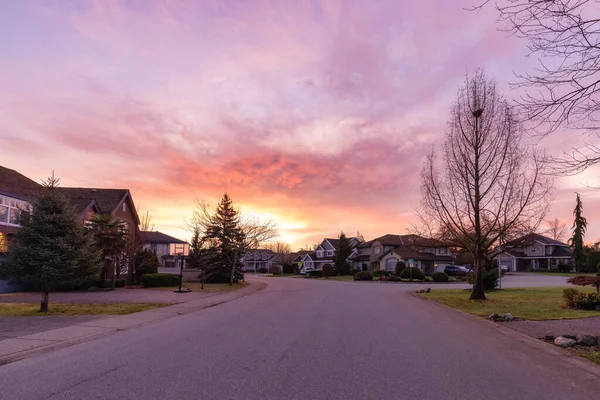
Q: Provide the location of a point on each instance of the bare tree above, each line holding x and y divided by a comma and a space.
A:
556, 229
146, 223
279, 247
489, 186
563, 91
249, 232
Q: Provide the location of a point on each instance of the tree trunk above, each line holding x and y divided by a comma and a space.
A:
114, 275
478, 292
44, 302
233, 270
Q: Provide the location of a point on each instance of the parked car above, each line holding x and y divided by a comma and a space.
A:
456, 270
306, 270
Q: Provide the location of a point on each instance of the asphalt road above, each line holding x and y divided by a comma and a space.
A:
304, 339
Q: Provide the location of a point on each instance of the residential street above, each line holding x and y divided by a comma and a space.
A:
305, 339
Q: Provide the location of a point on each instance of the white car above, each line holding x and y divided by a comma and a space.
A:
306, 270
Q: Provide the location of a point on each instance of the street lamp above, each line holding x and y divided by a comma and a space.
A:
179, 251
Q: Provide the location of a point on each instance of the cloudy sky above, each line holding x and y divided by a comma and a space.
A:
316, 113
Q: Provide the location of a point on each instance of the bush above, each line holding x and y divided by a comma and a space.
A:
582, 280
145, 262
587, 301
439, 277
564, 268
393, 278
262, 270
328, 271
382, 272
417, 274
275, 270
160, 280
570, 297
490, 279
592, 260
354, 271
363, 276
365, 268
400, 266
315, 273
290, 269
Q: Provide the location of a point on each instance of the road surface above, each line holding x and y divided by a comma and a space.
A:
305, 339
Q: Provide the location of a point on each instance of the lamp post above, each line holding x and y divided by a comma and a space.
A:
179, 251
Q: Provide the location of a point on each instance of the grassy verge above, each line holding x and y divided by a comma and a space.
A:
32, 309
590, 354
537, 304
344, 278
564, 274
208, 287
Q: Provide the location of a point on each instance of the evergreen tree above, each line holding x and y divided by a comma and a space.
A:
110, 236
195, 259
226, 244
52, 247
576, 241
342, 253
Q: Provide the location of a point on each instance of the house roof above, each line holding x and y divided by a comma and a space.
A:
362, 257
536, 237
562, 252
408, 253
334, 242
107, 199
17, 185
158, 237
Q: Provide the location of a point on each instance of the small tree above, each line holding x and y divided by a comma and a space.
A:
328, 271
111, 238
583, 280
195, 257
52, 247
146, 262
342, 253
400, 266
576, 241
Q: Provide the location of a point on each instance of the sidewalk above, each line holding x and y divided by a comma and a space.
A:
17, 348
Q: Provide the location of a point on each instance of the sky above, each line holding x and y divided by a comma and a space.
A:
314, 113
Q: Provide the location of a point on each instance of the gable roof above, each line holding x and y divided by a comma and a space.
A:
535, 237
17, 185
158, 237
108, 200
408, 253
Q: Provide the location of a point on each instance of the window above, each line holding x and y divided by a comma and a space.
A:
10, 210
320, 253
377, 250
390, 264
124, 206
329, 253
443, 250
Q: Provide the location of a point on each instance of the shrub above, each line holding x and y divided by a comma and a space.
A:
145, 262
592, 260
400, 266
587, 301
417, 274
439, 277
490, 278
354, 271
570, 297
290, 268
160, 280
328, 271
393, 278
564, 268
365, 268
315, 273
363, 276
382, 272
262, 270
275, 270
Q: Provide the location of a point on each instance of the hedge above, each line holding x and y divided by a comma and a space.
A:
439, 277
160, 280
417, 274
363, 276
316, 273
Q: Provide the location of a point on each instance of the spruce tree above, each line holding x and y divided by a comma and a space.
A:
52, 247
226, 244
195, 250
576, 241
342, 253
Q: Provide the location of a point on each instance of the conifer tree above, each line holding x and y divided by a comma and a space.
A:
579, 228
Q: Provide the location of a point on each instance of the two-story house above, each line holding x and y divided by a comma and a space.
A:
165, 247
533, 252
324, 254
258, 259
383, 253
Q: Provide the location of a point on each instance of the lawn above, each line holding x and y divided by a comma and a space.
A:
590, 354
531, 304
208, 287
565, 274
284, 276
344, 278
32, 309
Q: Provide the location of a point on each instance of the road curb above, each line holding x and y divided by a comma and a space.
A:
252, 288
547, 348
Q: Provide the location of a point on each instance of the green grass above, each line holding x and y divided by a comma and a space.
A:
208, 287
343, 278
32, 309
565, 274
590, 354
537, 304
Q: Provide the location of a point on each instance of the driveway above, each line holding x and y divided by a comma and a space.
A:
306, 339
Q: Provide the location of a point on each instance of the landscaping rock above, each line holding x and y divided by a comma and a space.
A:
508, 317
587, 340
565, 342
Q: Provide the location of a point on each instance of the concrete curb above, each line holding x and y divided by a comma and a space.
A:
547, 348
15, 349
